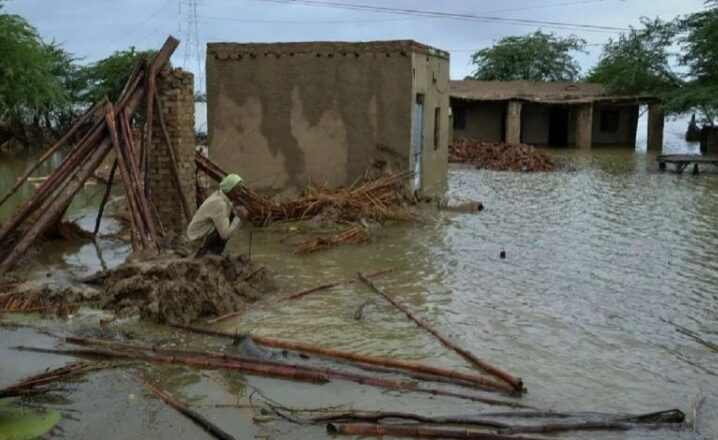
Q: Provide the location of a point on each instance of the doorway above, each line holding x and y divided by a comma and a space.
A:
417, 140
558, 126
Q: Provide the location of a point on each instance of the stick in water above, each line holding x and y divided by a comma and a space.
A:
514, 381
186, 411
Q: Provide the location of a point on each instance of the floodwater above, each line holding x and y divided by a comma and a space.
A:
603, 262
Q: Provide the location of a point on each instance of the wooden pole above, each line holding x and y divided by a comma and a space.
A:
253, 368
137, 225
105, 197
186, 411
514, 381
300, 294
46, 218
59, 144
377, 430
52, 183
378, 382
331, 353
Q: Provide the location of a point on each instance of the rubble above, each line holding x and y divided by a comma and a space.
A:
380, 199
173, 288
500, 156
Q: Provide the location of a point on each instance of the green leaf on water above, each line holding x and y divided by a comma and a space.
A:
18, 423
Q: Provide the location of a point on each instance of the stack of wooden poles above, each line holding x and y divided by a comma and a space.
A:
376, 199
104, 128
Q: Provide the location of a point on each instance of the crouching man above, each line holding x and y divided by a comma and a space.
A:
216, 219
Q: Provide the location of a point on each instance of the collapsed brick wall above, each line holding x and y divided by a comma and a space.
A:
176, 91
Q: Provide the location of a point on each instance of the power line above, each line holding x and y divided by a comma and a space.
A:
384, 20
134, 29
451, 15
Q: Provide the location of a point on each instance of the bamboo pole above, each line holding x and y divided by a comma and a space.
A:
514, 381
134, 172
105, 197
50, 214
300, 294
173, 159
186, 411
475, 380
139, 235
59, 144
376, 430
253, 368
50, 376
378, 382
55, 181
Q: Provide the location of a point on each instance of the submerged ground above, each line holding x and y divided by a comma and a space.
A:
603, 261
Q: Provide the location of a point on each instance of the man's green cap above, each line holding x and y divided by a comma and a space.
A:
229, 183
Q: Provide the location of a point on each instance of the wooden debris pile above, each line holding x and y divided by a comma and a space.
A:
106, 127
500, 156
380, 199
354, 235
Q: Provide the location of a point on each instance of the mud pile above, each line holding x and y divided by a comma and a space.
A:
170, 288
500, 157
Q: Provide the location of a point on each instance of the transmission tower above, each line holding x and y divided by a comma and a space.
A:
192, 44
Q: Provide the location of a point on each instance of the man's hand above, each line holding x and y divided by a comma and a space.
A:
240, 211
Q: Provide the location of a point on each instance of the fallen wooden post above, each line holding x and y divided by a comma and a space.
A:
514, 381
186, 411
462, 378
249, 368
252, 365
376, 430
52, 150
105, 197
51, 376
300, 294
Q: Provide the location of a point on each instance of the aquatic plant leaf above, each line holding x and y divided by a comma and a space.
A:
23, 424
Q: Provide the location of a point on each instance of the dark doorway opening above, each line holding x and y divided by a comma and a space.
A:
558, 126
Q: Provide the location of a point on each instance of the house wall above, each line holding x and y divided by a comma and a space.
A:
282, 119
431, 78
627, 123
484, 121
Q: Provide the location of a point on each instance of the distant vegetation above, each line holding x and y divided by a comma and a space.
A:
43, 87
676, 61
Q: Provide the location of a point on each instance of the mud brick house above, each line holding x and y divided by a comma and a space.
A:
709, 140
284, 114
550, 113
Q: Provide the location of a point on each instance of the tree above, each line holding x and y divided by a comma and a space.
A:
538, 57
639, 61
28, 88
108, 76
699, 42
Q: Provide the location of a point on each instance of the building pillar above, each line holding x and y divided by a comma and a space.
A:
513, 122
176, 90
584, 125
655, 127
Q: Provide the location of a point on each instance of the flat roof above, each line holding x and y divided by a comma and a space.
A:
341, 47
539, 91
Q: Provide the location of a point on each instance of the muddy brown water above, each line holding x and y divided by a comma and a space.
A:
602, 262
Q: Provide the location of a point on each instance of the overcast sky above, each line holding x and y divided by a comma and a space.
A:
93, 29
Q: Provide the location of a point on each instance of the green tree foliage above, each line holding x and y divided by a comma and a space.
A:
29, 89
638, 62
108, 76
539, 57
699, 43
